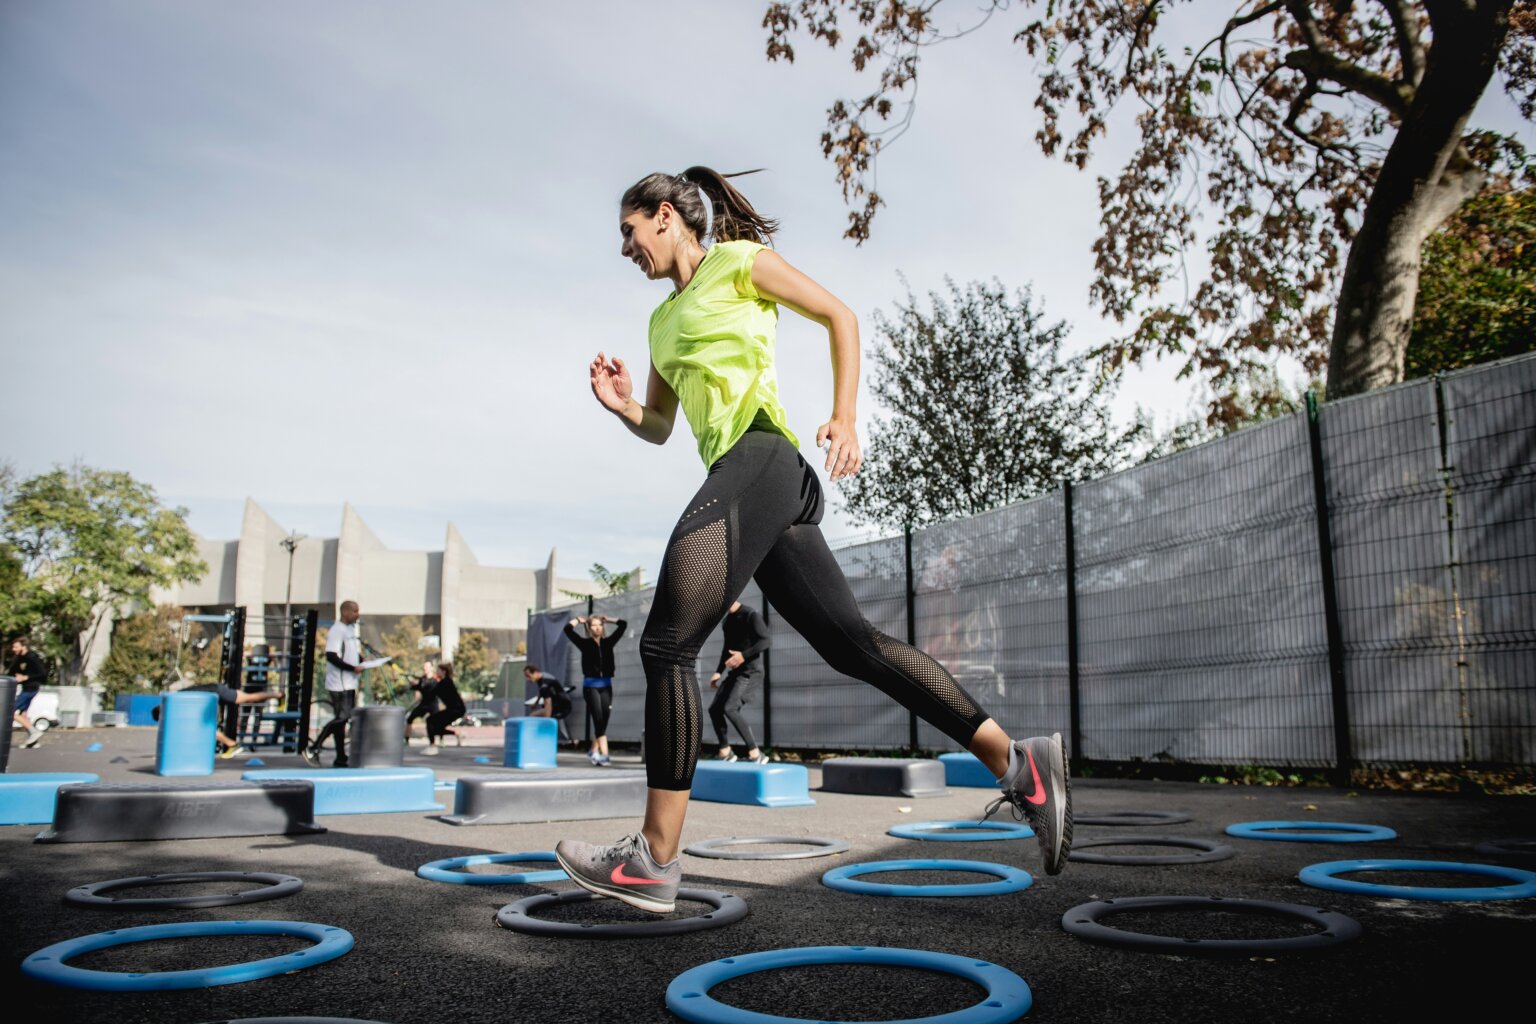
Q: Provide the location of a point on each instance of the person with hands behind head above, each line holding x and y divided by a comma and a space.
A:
597, 675
757, 516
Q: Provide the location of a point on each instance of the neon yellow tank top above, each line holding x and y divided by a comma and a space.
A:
713, 343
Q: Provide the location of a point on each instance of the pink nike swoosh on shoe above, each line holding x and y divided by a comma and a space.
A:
1038, 796
621, 878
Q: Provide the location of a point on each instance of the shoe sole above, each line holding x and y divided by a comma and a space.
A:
1056, 783
33, 741
598, 889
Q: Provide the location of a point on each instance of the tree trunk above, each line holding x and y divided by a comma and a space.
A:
1425, 177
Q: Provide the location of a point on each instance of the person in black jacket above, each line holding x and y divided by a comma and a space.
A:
597, 674
426, 703
552, 700
453, 709
746, 637
30, 672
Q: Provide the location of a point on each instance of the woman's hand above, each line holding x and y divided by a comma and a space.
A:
611, 383
841, 439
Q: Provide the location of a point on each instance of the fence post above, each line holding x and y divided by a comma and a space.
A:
906, 533
1072, 671
1342, 748
767, 683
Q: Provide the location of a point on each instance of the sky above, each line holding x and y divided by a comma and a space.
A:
364, 251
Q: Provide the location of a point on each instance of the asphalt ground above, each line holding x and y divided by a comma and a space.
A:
429, 952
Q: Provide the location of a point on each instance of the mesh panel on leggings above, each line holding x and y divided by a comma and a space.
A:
694, 581
676, 696
927, 673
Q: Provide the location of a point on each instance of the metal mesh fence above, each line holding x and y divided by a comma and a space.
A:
990, 606
1491, 454
1202, 632
1387, 511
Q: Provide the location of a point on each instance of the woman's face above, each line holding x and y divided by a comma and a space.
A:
645, 240
595, 628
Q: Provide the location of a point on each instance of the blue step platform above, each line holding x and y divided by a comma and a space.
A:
362, 790
529, 743
966, 769
766, 785
28, 798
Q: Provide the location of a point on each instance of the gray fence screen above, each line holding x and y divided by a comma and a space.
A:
1180, 611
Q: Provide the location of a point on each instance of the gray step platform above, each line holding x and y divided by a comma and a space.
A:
564, 795
883, 776
114, 811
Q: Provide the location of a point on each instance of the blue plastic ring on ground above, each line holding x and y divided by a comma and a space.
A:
1009, 879
447, 870
49, 964
1008, 997
1311, 831
929, 831
1321, 876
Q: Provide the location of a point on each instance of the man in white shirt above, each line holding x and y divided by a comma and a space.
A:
343, 669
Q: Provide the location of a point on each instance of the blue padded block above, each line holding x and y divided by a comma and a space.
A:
185, 745
966, 769
530, 742
766, 785
28, 798
362, 790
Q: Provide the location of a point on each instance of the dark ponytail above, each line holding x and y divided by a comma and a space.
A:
729, 218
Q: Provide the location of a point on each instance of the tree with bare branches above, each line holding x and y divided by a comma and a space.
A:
1323, 142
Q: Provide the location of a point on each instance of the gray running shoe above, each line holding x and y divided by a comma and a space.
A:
1037, 789
311, 756
34, 737
624, 871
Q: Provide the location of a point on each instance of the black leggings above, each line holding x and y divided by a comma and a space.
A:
599, 705
735, 690
439, 721
756, 517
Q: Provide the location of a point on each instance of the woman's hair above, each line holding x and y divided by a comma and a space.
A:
530, 667
729, 218
445, 670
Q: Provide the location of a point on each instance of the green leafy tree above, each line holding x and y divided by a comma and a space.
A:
90, 542
1477, 296
986, 410
148, 648
1310, 147
611, 582
405, 643
476, 663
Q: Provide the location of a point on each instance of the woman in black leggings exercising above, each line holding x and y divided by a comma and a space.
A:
447, 694
756, 517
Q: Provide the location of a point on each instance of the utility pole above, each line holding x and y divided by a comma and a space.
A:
290, 543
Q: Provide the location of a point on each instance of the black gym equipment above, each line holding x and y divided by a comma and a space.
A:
1084, 921
273, 887
1210, 851
820, 847
518, 917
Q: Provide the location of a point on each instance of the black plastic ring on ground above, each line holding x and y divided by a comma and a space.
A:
1508, 847
1084, 922
820, 847
274, 886
295, 1020
1209, 851
1132, 818
518, 916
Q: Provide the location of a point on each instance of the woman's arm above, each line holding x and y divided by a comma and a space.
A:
614, 389
777, 281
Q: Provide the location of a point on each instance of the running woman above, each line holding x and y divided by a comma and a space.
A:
756, 517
